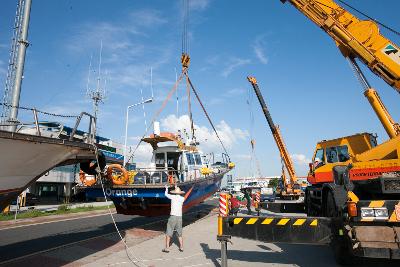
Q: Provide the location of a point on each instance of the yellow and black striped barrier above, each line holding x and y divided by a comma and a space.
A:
279, 229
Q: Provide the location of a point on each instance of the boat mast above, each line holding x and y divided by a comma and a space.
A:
16, 71
97, 95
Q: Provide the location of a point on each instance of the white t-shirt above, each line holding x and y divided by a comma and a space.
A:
176, 203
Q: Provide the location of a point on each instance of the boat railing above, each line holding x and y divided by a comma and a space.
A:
155, 176
91, 135
50, 129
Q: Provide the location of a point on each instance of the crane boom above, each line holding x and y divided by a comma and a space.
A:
355, 38
275, 133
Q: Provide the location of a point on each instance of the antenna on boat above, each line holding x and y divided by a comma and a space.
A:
144, 112
97, 95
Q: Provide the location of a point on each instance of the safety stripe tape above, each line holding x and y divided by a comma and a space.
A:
283, 221
395, 217
376, 204
267, 221
251, 221
299, 222
237, 220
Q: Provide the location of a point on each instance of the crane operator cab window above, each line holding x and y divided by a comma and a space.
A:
319, 158
337, 154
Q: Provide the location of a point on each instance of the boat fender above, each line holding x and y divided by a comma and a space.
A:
89, 167
84, 180
120, 178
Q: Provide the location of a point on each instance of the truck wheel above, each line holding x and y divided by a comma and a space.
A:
341, 244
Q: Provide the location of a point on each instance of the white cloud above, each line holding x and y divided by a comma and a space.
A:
242, 156
206, 136
258, 48
148, 18
235, 92
198, 4
300, 159
232, 64
125, 42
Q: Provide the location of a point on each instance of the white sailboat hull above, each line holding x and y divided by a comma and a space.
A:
25, 158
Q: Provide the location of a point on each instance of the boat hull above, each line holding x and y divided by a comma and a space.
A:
27, 158
151, 201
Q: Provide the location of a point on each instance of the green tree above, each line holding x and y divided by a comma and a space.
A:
273, 183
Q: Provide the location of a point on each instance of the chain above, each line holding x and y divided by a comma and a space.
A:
39, 111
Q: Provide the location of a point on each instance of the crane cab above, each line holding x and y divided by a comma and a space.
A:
340, 151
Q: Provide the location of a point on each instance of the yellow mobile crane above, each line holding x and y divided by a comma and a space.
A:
355, 182
290, 190
354, 37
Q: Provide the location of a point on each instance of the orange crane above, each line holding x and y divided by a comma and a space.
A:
354, 37
292, 189
355, 182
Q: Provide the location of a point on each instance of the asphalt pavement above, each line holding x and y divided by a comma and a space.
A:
42, 235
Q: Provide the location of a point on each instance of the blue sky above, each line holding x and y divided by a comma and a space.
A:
309, 87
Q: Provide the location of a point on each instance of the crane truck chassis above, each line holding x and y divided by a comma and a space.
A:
351, 229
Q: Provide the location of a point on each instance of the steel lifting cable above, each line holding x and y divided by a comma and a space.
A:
190, 108
170, 94
205, 112
364, 14
185, 41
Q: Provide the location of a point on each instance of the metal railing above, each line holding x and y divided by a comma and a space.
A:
41, 127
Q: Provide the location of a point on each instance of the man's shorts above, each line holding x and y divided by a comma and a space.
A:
174, 223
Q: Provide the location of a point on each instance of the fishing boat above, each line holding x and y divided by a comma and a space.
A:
174, 162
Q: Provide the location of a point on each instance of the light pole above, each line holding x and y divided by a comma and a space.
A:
126, 124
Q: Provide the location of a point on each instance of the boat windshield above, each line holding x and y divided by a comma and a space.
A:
197, 159
172, 160
190, 159
160, 160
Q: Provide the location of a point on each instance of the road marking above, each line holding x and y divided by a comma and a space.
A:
62, 220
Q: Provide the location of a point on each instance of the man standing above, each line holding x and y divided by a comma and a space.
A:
247, 195
175, 218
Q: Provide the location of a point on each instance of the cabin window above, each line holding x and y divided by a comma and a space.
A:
331, 155
337, 154
343, 153
190, 159
319, 158
197, 159
160, 160
172, 160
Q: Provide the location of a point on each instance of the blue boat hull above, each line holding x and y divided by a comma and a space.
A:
151, 201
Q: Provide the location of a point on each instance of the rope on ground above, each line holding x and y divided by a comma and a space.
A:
136, 260
205, 112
